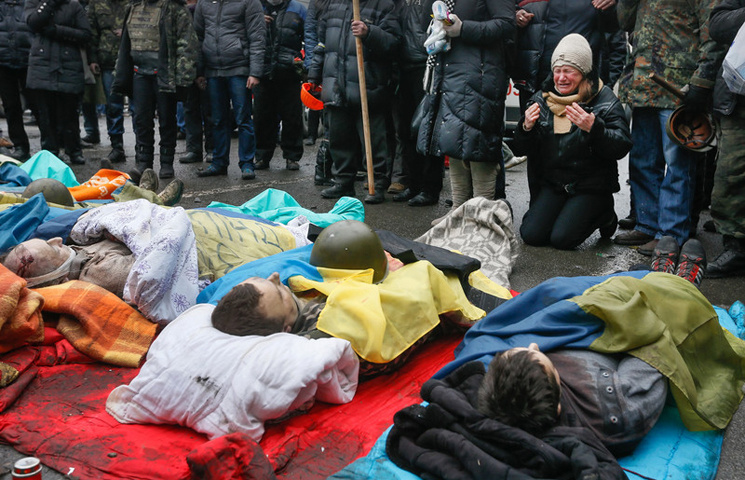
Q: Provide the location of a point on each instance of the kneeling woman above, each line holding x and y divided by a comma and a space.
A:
577, 130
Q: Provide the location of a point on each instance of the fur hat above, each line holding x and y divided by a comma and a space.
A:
573, 50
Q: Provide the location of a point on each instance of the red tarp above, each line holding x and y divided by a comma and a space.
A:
59, 416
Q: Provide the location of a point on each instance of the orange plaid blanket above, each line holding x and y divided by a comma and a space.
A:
98, 323
20, 312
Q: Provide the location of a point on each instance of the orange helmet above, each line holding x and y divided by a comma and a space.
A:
310, 98
692, 130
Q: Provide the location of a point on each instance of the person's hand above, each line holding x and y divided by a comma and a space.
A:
268, 19
697, 98
49, 30
252, 82
359, 29
531, 116
524, 17
201, 83
603, 4
454, 29
117, 32
95, 69
578, 116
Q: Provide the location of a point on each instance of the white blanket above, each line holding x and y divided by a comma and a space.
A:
217, 383
163, 280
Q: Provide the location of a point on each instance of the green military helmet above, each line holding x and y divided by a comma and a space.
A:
53, 190
350, 244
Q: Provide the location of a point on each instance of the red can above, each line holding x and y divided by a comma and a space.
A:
28, 468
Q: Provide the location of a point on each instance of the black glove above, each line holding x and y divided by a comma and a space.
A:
50, 30
697, 98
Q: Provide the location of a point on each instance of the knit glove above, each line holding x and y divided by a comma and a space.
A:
697, 98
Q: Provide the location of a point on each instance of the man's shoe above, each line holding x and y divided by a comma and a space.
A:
212, 171
19, 153
247, 172
423, 199
634, 237
648, 248
665, 256
729, 263
404, 196
191, 157
172, 193
91, 139
609, 227
5, 142
309, 141
692, 264
77, 159
166, 170
149, 180
107, 165
180, 135
338, 190
627, 223
321, 180
292, 165
116, 156
261, 165
515, 161
375, 198
396, 187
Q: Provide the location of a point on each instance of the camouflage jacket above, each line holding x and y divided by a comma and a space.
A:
670, 38
179, 50
106, 18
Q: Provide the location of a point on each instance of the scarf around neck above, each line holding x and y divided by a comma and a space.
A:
558, 104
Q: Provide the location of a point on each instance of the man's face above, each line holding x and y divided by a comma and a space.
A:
33, 258
277, 300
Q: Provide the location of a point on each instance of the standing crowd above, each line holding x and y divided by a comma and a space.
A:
583, 71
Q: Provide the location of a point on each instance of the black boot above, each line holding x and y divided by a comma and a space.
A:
323, 165
166, 164
117, 149
731, 262
338, 190
144, 157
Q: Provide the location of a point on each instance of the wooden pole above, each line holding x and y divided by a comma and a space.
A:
363, 101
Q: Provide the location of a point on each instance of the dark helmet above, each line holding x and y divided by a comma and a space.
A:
54, 191
350, 244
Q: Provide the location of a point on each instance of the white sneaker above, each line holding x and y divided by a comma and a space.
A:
515, 161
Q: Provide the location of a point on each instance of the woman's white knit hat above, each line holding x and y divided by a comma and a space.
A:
573, 50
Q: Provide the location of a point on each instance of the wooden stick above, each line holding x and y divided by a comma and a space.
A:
666, 85
363, 101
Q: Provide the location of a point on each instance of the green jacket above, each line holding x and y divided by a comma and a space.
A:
670, 38
177, 57
106, 18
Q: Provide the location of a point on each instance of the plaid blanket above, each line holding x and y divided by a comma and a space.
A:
20, 312
98, 323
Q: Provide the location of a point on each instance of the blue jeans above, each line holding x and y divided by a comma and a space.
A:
223, 91
114, 105
663, 196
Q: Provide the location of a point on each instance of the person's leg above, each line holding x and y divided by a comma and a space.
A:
484, 179
647, 168
167, 128
314, 120
291, 112
67, 118
241, 100
266, 121
144, 103
677, 187
206, 109
379, 143
345, 149
217, 88
10, 93
460, 182
580, 217
114, 117
410, 94
47, 109
539, 220
90, 116
193, 125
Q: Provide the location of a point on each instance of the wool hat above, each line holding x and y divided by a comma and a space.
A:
573, 50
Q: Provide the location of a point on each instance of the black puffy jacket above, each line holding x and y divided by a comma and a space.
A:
284, 35
60, 30
231, 33
15, 38
414, 22
335, 57
553, 20
578, 161
464, 116
726, 20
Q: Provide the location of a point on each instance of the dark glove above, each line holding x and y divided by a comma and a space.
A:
50, 30
697, 98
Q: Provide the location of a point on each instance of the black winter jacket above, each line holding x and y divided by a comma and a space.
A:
231, 33
414, 22
450, 439
578, 161
334, 63
284, 35
726, 20
60, 30
15, 37
464, 114
553, 20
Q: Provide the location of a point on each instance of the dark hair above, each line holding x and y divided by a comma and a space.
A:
518, 391
238, 313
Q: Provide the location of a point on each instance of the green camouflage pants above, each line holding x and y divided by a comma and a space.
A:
728, 196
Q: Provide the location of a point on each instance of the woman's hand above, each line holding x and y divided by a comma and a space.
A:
531, 116
523, 18
578, 116
454, 29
